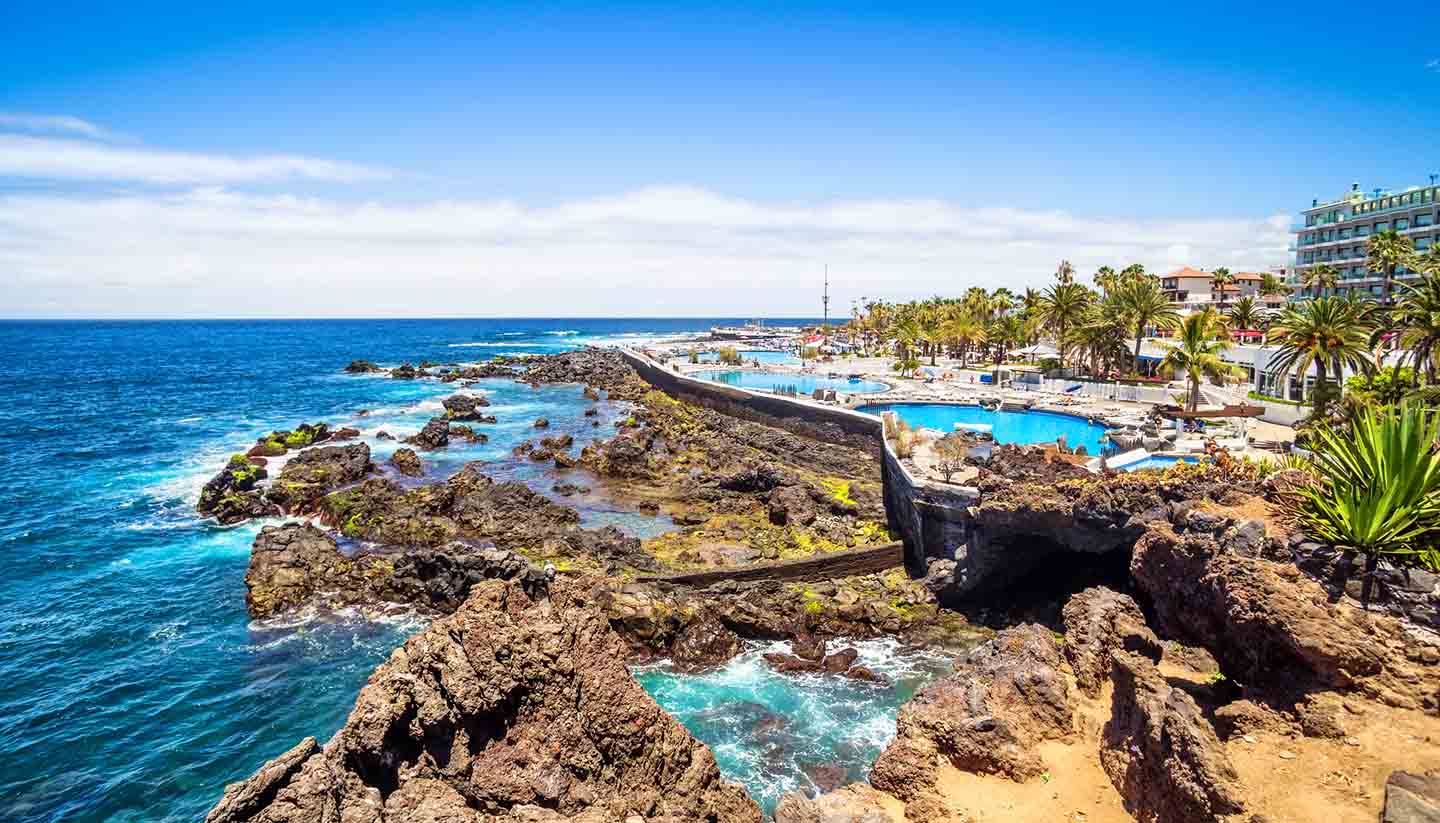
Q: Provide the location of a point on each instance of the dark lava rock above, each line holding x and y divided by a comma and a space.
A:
790, 664
362, 367
232, 497
1099, 621
507, 705
435, 435
839, 661
467, 434
464, 407
559, 442
567, 489
347, 433
1412, 798
792, 506
384, 435
866, 674
313, 473
404, 371
542, 423
808, 646
1004, 698
407, 462
591, 412
541, 455
563, 460
704, 644
1162, 754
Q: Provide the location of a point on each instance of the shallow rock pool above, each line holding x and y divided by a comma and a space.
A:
779, 732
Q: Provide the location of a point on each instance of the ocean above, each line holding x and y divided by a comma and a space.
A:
135, 685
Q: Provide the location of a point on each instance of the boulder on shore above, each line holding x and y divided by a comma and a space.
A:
232, 497
313, 473
506, 705
435, 435
465, 407
407, 462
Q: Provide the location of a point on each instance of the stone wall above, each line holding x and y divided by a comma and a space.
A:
932, 519
828, 423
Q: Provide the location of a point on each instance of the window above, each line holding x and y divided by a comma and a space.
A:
1425, 219
1401, 224
1362, 231
1422, 243
1344, 234
1383, 225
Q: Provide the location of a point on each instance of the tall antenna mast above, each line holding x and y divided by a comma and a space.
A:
825, 302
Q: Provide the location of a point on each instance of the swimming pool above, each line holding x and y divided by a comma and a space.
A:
786, 382
765, 357
1156, 461
1020, 428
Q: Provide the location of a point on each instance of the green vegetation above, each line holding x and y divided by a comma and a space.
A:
1196, 352
1255, 395
838, 489
1326, 334
728, 356
1378, 488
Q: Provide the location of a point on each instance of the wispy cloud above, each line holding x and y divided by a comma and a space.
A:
53, 158
54, 124
643, 252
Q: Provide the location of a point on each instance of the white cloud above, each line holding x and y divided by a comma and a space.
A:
51, 158
54, 124
654, 251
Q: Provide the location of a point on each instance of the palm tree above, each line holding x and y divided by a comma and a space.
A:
1328, 333
1387, 251
1061, 307
1196, 352
1417, 318
1221, 280
1246, 314
1429, 262
1144, 305
1379, 490
1065, 273
963, 331
1100, 336
1106, 279
1320, 278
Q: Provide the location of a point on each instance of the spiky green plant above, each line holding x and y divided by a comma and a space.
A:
1380, 487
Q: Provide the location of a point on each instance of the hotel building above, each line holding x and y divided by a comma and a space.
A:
1337, 232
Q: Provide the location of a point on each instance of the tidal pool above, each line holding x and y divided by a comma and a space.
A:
792, 382
779, 732
1020, 428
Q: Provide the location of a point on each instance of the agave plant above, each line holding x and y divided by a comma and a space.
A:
1380, 487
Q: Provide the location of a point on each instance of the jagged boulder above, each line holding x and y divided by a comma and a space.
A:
232, 496
465, 407
989, 716
791, 506
1269, 625
1412, 798
856, 803
1099, 621
1162, 754
313, 473
704, 644
407, 462
506, 704
435, 435
362, 367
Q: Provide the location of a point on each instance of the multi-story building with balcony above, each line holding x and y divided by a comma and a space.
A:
1192, 289
1338, 232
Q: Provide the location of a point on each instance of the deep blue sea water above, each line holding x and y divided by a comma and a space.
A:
134, 685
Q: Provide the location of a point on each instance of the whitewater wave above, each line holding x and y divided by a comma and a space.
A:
563, 332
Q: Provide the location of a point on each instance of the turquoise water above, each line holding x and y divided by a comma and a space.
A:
783, 381
1157, 462
770, 731
135, 685
1021, 428
766, 358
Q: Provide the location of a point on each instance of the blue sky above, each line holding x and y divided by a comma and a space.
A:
1158, 119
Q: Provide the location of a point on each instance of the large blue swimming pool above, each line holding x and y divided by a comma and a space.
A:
1021, 428
787, 382
764, 357
1156, 461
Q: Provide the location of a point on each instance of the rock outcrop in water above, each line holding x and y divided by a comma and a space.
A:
314, 472
471, 506
508, 710
297, 565
233, 496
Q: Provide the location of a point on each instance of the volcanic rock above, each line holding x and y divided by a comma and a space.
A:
435, 435
313, 473
856, 803
1161, 753
231, 496
463, 407
407, 462
1412, 798
704, 644
542, 423
362, 367
1004, 699
1099, 621
405, 371
508, 703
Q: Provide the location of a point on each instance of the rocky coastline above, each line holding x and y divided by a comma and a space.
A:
1177, 623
